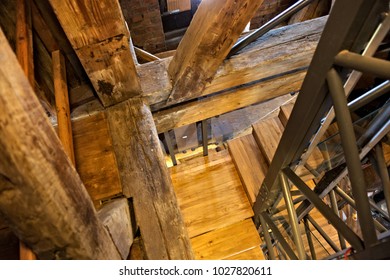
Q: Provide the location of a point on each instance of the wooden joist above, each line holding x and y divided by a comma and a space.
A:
41, 195
315, 9
145, 177
98, 34
214, 29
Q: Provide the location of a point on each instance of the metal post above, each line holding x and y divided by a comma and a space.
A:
333, 203
281, 252
204, 137
369, 96
279, 236
323, 233
170, 147
292, 215
384, 174
268, 241
352, 159
242, 43
309, 239
348, 234
377, 67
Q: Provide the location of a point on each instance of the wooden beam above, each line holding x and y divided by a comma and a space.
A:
144, 55
145, 177
41, 195
62, 104
226, 102
99, 35
315, 9
216, 26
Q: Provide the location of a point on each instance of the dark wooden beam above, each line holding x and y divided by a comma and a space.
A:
216, 26
99, 35
41, 196
145, 177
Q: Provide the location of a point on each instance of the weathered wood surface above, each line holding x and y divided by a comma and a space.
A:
95, 158
227, 242
226, 102
41, 195
62, 104
98, 34
115, 216
210, 193
206, 44
145, 177
286, 49
315, 9
250, 164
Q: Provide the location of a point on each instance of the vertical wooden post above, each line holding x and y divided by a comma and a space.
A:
24, 53
62, 103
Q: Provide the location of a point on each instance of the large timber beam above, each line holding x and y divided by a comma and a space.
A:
214, 29
41, 195
99, 35
145, 177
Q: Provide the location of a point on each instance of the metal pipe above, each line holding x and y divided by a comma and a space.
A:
369, 96
268, 241
281, 252
309, 239
170, 147
323, 233
204, 137
375, 66
384, 174
351, 202
333, 203
242, 43
377, 208
279, 236
292, 215
348, 234
351, 154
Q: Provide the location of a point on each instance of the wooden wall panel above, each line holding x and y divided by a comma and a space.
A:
182, 5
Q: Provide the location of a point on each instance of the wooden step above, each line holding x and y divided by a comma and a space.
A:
285, 112
210, 195
228, 242
250, 163
267, 133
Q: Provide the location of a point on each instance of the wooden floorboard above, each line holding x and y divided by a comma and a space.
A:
252, 254
226, 242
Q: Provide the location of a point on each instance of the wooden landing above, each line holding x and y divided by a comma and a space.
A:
215, 208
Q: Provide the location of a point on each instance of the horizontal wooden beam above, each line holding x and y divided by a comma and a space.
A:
41, 196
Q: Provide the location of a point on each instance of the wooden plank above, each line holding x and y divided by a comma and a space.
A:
57, 218
251, 254
250, 163
315, 9
210, 196
95, 158
145, 177
206, 44
285, 112
226, 102
226, 242
99, 35
181, 5
267, 133
62, 104
115, 216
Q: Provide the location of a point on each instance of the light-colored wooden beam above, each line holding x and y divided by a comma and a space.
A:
99, 35
62, 104
216, 26
145, 177
41, 195
145, 55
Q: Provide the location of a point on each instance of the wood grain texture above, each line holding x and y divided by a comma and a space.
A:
315, 9
145, 177
95, 158
56, 219
251, 254
206, 44
226, 102
62, 104
210, 194
226, 242
115, 216
285, 112
267, 133
250, 164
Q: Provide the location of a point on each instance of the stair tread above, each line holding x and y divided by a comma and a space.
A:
226, 242
251, 254
267, 133
250, 163
285, 112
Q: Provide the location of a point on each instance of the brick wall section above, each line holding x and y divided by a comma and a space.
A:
144, 20
268, 10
